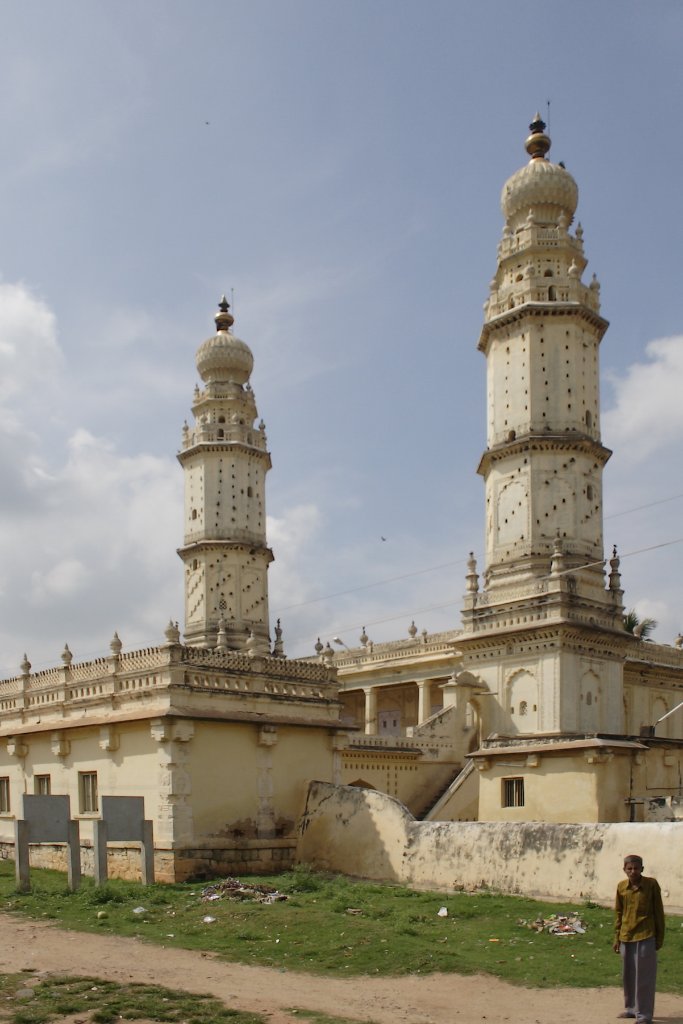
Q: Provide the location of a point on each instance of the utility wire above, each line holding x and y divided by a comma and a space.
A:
456, 599
368, 586
87, 655
639, 508
462, 561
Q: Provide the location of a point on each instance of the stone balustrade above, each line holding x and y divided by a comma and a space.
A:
156, 668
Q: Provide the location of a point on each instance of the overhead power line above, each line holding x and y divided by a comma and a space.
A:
462, 561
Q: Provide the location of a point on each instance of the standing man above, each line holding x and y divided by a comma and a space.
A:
639, 933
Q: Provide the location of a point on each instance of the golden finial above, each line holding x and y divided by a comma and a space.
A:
538, 143
224, 319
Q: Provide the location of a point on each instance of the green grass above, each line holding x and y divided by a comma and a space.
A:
318, 1017
398, 931
105, 1002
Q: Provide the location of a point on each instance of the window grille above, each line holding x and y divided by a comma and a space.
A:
41, 785
513, 792
87, 792
4, 795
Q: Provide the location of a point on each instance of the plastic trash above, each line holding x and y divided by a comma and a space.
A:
442, 912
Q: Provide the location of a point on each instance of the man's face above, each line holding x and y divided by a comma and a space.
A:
633, 870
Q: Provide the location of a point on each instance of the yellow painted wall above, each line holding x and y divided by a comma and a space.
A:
228, 768
130, 770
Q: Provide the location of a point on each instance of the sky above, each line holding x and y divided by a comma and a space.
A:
336, 167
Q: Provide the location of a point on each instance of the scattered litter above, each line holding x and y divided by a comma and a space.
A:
494, 940
233, 889
208, 919
556, 924
139, 910
442, 912
353, 910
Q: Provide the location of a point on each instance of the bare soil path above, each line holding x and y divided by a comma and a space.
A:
431, 999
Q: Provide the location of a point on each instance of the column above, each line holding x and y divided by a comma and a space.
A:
370, 710
424, 700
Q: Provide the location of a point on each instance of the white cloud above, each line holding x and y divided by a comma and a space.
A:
648, 411
295, 539
643, 488
88, 535
30, 356
67, 577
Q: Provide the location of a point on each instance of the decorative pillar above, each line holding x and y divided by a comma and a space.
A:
424, 700
174, 811
265, 816
370, 710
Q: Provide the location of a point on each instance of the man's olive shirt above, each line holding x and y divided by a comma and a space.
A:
639, 911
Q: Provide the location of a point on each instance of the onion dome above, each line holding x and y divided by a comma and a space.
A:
223, 357
546, 188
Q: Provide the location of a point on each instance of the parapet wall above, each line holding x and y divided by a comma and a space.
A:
367, 834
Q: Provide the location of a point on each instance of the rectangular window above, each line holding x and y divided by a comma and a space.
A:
4, 795
41, 785
513, 792
87, 792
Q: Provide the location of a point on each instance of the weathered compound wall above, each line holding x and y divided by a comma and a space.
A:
367, 834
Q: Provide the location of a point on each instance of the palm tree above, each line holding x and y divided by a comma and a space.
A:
640, 628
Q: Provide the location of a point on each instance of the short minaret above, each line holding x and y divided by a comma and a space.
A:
544, 458
225, 461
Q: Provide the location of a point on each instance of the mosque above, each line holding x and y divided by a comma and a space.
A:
542, 707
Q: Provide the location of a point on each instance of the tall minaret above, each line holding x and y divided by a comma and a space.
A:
544, 457
545, 632
225, 461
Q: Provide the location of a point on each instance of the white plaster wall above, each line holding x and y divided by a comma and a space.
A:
369, 835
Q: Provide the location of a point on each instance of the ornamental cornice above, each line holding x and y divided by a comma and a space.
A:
211, 543
535, 310
380, 754
653, 676
645, 655
204, 447
543, 443
525, 640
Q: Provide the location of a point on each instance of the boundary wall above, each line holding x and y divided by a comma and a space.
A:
367, 834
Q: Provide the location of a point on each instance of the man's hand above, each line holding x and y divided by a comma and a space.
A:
616, 945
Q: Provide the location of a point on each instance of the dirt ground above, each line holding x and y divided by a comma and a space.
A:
434, 999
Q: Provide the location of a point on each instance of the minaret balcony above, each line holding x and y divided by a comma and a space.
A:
505, 317
253, 440
537, 236
250, 538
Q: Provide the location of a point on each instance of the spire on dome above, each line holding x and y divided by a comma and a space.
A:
538, 143
224, 319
